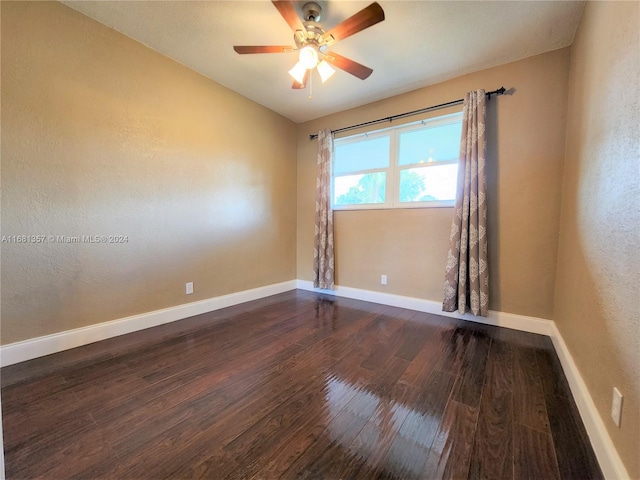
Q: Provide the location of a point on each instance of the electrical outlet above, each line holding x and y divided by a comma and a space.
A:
616, 406
383, 279
189, 288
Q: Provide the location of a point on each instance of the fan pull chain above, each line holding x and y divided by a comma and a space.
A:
310, 85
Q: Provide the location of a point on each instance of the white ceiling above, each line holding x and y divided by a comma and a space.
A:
418, 44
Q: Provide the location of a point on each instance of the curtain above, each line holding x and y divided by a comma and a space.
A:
323, 260
466, 285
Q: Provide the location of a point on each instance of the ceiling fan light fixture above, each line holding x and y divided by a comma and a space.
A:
311, 41
325, 71
308, 57
297, 72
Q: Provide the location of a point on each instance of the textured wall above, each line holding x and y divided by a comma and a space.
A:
103, 136
597, 306
525, 155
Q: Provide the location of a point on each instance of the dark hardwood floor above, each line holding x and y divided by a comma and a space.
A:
298, 385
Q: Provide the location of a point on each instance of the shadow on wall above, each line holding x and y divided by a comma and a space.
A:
594, 336
596, 307
493, 203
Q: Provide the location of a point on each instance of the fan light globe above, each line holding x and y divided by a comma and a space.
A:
308, 57
325, 71
297, 72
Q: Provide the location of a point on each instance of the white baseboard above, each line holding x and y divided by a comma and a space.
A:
608, 458
499, 319
57, 342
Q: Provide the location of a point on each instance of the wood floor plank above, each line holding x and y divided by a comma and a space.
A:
308, 432
339, 433
492, 456
254, 440
157, 459
450, 453
17, 397
573, 451
533, 455
298, 385
57, 463
408, 451
468, 388
372, 444
435, 341
49, 451
528, 394
554, 382
388, 340
201, 398
35, 402
234, 348
253, 424
451, 358
115, 407
412, 340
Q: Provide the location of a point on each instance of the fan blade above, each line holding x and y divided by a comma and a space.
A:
363, 19
354, 68
288, 12
244, 49
300, 86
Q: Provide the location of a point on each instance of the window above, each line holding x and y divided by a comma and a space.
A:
414, 165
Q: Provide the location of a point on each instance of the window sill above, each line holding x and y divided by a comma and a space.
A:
442, 204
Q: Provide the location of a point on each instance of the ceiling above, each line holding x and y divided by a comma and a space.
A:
418, 44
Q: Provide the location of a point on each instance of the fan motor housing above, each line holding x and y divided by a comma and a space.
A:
311, 11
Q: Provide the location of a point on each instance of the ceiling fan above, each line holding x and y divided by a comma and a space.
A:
312, 41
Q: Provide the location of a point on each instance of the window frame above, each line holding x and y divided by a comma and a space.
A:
393, 171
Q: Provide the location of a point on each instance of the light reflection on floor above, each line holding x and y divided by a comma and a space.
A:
386, 419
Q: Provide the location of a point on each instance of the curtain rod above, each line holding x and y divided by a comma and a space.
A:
499, 91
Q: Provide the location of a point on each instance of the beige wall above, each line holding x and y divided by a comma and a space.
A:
103, 136
525, 157
597, 306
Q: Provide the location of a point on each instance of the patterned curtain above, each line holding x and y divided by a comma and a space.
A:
323, 260
466, 285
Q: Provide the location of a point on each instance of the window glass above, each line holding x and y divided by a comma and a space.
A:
365, 154
360, 189
428, 184
430, 144
407, 166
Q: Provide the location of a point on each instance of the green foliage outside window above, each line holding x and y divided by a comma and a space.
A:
371, 189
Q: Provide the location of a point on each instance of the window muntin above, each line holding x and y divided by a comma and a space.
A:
409, 166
